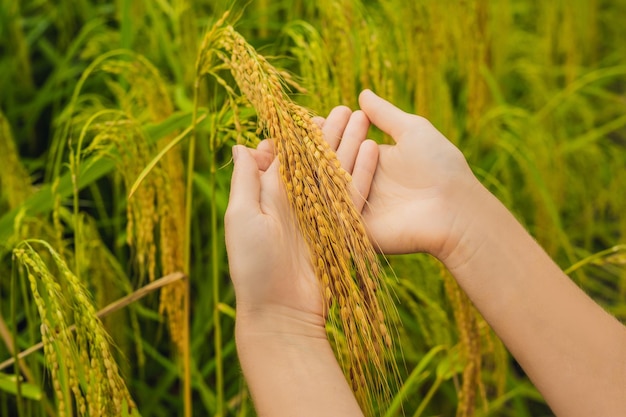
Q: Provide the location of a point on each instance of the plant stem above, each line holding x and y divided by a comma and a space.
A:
219, 371
13, 343
428, 397
187, 397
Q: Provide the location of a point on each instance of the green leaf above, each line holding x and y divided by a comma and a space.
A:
9, 384
413, 382
451, 365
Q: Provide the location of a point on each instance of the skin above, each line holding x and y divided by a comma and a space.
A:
421, 196
281, 339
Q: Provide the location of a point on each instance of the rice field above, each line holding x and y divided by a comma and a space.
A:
117, 120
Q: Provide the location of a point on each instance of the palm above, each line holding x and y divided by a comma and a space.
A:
292, 282
405, 196
408, 207
269, 259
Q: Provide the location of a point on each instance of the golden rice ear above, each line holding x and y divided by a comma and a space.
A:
467, 321
156, 204
62, 299
352, 283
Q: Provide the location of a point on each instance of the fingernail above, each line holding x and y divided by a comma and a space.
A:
235, 150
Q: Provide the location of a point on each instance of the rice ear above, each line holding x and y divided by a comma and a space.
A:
345, 262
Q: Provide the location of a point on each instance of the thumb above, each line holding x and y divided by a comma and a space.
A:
384, 115
245, 186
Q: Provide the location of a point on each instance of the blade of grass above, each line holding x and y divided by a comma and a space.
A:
13, 385
413, 382
596, 256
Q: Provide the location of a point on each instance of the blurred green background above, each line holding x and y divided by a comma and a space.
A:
91, 91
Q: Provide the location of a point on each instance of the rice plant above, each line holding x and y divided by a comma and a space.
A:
116, 122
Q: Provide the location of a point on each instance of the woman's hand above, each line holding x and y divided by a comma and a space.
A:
424, 197
268, 258
421, 184
280, 328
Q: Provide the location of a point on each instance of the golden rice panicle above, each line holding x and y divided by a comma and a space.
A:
150, 100
86, 352
469, 335
154, 209
133, 155
54, 333
171, 229
314, 66
339, 17
170, 206
345, 262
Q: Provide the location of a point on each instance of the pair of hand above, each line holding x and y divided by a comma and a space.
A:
410, 196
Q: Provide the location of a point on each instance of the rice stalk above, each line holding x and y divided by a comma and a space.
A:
477, 49
338, 17
465, 318
132, 155
83, 372
376, 72
315, 66
159, 201
204, 67
344, 260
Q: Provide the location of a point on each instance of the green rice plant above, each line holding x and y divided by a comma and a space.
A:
83, 371
532, 93
14, 179
317, 186
314, 66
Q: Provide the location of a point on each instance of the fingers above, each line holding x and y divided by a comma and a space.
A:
266, 146
353, 136
319, 120
245, 187
264, 154
345, 132
384, 115
363, 173
335, 124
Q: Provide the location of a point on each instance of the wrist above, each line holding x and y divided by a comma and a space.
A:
289, 364
278, 322
476, 208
